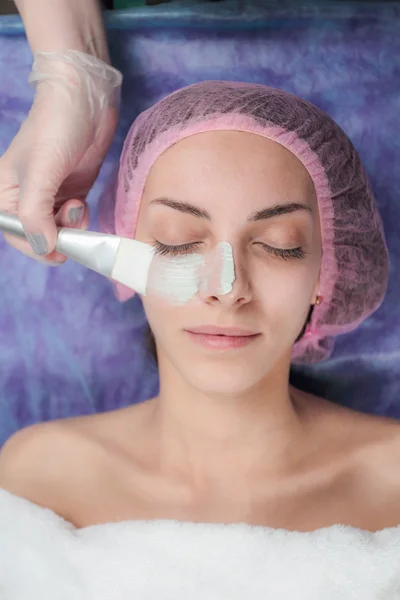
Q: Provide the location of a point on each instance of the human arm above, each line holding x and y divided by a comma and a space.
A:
55, 157
59, 25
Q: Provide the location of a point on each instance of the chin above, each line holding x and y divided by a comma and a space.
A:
232, 378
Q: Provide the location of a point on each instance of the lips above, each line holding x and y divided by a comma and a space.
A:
222, 331
221, 338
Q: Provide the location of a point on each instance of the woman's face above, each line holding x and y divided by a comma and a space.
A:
221, 186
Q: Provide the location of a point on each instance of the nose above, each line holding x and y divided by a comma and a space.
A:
238, 293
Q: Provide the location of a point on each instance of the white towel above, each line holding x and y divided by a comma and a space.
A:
43, 557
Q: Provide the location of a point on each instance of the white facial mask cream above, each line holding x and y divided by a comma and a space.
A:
178, 279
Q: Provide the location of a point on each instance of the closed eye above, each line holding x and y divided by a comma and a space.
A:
177, 250
166, 249
286, 254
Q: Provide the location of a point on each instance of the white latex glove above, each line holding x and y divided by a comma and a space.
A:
55, 157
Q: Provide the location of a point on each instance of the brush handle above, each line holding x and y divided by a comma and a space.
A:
11, 224
97, 251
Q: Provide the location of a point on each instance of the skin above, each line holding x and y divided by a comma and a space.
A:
238, 396
227, 439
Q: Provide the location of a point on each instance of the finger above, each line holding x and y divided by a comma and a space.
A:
73, 213
35, 209
24, 247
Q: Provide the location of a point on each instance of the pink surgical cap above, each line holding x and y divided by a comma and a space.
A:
355, 262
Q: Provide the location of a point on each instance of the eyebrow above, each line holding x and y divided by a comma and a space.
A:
260, 215
183, 207
279, 209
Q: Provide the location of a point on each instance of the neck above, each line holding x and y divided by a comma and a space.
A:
211, 440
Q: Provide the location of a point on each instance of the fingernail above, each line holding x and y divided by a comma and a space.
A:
75, 215
38, 243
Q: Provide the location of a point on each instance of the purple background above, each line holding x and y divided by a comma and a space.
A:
67, 346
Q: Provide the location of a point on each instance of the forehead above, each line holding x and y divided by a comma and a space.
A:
244, 169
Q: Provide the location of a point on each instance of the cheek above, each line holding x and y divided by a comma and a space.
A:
285, 290
161, 316
153, 312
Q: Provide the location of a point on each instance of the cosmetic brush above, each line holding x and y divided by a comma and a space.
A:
121, 259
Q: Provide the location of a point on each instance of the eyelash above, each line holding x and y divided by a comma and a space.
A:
165, 250
285, 254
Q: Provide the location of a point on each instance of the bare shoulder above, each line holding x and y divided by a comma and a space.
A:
30, 446
343, 424
362, 451
38, 462
59, 463
369, 442
377, 468
382, 448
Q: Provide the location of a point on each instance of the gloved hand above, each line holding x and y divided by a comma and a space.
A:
55, 157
